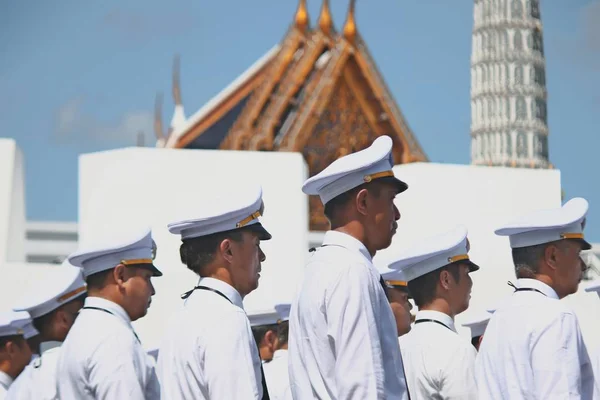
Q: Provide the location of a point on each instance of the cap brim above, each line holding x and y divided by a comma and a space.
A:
263, 234
585, 244
151, 267
392, 180
472, 266
400, 186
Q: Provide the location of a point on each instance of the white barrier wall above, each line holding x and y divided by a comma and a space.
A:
138, 186
441, 196
482, 198
12, 203
20, 278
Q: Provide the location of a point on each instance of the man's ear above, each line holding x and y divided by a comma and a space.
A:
445, 279
550, 256
361, 199
120, 274
271, 338
226, 250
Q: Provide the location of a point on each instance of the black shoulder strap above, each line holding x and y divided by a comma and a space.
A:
262, 372
264, 382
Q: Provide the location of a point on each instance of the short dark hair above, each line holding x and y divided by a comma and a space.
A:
341, 200
260, 331
423, 288
197, 253
98, 280
18, 339
527, 259
283, 329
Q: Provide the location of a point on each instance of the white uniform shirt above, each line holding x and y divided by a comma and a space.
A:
5, 382
208, 351
439, 363
533, 349
343, 337
276, 374
102, 358
595, 360
38, 379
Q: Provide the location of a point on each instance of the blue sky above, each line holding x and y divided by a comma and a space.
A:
81, 76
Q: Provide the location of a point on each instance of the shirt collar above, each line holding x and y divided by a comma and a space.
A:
349, 242
109, 306
5, 379
279, 354
436, 316
45, 346
538, 285
225, 288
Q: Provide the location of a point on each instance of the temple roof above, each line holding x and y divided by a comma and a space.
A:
222, 108
318, 92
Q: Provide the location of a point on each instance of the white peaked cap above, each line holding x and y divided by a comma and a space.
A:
434, 253
353, 170
283, 311
550, 225
263, 317
477, 323
227, 211
136, 249
65, 283
16, 323
594, 287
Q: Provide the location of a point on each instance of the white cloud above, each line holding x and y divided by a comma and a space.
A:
75, 124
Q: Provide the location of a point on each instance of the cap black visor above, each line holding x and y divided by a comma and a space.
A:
155, 271
263, 234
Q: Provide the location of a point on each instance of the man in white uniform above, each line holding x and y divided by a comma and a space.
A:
477, 324
276, 370
53, 305
595, 356
343, 337
102, 357
208, 351
438, 362
15, 354
533, 348
396, 289
264, 330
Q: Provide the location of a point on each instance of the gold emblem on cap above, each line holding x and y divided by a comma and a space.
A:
248, 219
369, 178
571, 235
20, 331
397, 283
459, 257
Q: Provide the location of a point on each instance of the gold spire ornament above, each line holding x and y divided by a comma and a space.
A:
302, 16
325, 20
350, 25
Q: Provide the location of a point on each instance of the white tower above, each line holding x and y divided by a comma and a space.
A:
508, 85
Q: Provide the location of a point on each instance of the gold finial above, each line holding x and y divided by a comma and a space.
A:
302, 16
176, 87
158, 127
325, 20
350, 25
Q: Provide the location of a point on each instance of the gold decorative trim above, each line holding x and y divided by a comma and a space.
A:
460, 257
248, 219
369, 178
70, 294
